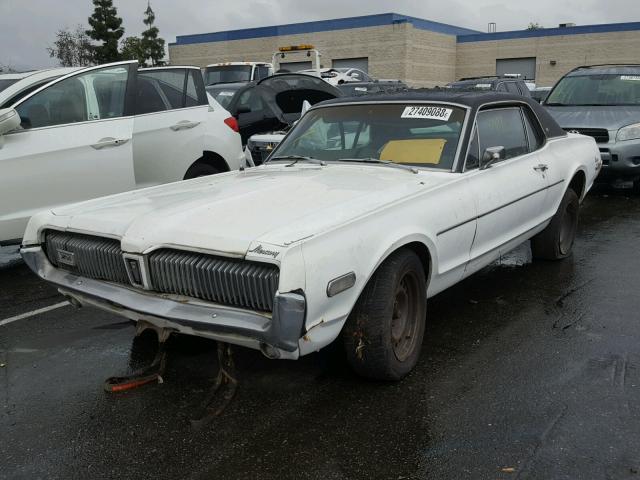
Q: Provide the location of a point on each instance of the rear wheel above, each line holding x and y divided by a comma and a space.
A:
383, 335
555, 242
200, 170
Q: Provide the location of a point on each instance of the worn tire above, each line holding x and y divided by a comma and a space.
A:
555, 242
370, 336
200, 170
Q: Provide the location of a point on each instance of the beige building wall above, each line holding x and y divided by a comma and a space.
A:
424, 58
568, 51
431, 58
385, 46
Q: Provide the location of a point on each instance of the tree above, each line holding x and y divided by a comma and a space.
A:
153, 45
106, 27
131, 49
72, 48
534, 26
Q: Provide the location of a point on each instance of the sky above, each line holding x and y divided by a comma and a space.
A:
27, 27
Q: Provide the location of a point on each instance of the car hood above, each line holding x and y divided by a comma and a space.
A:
611, 118
274, 204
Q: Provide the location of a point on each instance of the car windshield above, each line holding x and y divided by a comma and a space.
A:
598, 89
227, 74
5, 83
223, 95
422, 135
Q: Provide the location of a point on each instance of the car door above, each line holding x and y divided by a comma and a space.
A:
511, 193
73, 144
169, 125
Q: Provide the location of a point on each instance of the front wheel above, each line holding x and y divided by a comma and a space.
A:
555, 242
383, 335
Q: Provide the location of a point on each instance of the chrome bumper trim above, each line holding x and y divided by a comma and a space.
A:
282, 329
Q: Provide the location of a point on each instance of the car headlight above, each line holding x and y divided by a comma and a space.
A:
630, 132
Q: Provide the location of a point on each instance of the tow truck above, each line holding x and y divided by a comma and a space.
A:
305, 51
231, 72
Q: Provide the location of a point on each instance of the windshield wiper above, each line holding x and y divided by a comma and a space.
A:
296, 159
381, 162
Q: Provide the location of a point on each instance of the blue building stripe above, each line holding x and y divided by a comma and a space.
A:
323, 26
550, 32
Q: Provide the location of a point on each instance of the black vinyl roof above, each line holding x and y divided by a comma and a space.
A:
474, 99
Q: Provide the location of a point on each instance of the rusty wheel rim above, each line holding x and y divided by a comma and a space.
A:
404, 320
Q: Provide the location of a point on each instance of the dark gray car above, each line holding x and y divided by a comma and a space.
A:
603, 101
495, 83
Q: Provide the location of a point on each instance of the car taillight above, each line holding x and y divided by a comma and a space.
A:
232, 123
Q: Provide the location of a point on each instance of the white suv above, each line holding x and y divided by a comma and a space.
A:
108, 129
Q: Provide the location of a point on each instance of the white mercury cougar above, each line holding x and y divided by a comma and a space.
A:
370, 206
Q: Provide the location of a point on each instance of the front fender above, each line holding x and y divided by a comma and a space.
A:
358, 248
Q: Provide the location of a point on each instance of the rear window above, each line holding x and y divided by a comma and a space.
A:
223, 96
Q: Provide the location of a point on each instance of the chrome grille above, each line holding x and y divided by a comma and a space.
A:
221, 280
93, 257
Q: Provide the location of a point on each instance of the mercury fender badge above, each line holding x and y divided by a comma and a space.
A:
261, 251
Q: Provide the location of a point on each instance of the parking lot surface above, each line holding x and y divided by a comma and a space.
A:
528, 371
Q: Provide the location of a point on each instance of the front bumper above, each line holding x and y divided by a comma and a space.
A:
282, 330
620, 159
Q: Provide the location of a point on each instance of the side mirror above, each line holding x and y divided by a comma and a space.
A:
243, 109
492, 155
9, 120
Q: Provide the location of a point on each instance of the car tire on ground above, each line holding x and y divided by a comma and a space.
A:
200, 170
555, 242
383, 334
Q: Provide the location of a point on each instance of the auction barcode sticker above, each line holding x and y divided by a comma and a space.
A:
431, 113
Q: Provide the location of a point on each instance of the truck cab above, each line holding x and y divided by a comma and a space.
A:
236, 72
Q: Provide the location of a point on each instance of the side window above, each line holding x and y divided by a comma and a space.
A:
68, 101
200, 91
191, 98
250, 101
159, 90
512, 87
473, 155
534, 132
503, 128
20, 95
501, 87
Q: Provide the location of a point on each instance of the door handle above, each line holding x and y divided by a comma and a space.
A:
184, 125
541, 168
109, 142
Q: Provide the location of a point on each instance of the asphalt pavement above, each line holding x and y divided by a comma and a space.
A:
528, 371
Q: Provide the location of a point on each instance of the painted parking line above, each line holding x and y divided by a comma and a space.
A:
33, 313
